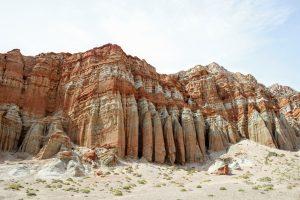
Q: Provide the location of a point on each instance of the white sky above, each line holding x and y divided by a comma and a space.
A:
258, 37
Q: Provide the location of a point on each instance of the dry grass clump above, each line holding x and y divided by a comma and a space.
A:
15, 186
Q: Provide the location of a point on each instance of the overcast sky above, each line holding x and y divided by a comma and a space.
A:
259, 37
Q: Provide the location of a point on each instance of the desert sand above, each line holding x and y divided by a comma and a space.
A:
257, 172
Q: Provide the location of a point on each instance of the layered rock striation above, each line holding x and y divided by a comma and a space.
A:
106, 98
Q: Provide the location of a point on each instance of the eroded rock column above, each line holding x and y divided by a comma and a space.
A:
33, 139
168, 136
200, 131
258, 131
158, 136
10, 127
146, 130
190, 138
132, 128
178, 136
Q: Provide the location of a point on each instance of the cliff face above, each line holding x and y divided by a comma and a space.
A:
103, 97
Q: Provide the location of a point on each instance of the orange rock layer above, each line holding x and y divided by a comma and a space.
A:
106, 98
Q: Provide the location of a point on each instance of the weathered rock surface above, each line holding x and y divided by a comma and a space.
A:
200, 131
106, 98
189, 134
179, 140
10, 127
169, 140
146, 130
159, 144
33, 139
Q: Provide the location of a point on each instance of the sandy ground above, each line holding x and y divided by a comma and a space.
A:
265, 174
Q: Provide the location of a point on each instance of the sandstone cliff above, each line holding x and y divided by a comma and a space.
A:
106, 98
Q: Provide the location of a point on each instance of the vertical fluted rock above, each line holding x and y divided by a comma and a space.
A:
132, 128
179, 141
12, 77
91, 131
198, 154
33, 139
147, 137
258, 131
229, 134
242, 127
291, 133
178, 137
146, 130
40, 90
168, 135
104, 124
232, 134
241, 109
10, 128
2, 66
189, 133
267, 116
216, 140
158, 136
55, 139
2, 134
169, 140
281, 136
200, 131
159, 145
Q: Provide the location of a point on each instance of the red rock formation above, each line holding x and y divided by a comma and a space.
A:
200, 131
146, 130
189, 135
169, 140
159, 144
10, 127
33, 139
178, 138
106, 98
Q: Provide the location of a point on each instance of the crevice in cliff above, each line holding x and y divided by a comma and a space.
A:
207, 135
22, 137
24, 77
140, 145
4, 68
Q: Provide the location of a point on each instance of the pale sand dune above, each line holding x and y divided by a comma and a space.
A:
263, 175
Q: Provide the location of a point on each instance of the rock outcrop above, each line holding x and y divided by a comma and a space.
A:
10, 127
106, 98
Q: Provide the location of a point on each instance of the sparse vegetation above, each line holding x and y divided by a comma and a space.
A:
70, 180
15, 186
85, 190
116, 192
71, 189
265, 179
223, 188
272, 154
264, 187
247, 175
40, 180
57, 181
127, 187
30, 192
142, 181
